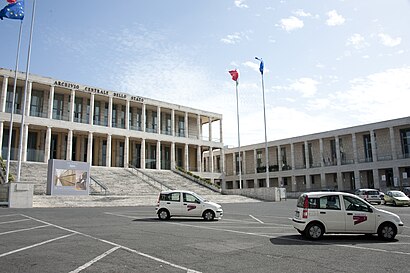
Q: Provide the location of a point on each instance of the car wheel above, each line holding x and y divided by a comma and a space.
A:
314, 231
387, 232
394, 203
209, 215
163, 214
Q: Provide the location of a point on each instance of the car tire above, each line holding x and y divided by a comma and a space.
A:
387, 232
163, 214
208, 215
394, 203
314, 231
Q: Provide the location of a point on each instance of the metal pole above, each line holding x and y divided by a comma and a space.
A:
12, 104
239, 139
266, 138
25, 93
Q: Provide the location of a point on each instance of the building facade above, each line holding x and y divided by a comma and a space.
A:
375, 155
70, 121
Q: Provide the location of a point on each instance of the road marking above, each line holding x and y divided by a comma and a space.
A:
115, 244
14, 221
38, 244
24, 229
253, 217
7, 215
96, 259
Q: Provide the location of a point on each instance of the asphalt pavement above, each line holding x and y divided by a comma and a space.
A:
251, 237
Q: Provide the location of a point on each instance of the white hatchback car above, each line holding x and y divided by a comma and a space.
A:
186, 204
338, 212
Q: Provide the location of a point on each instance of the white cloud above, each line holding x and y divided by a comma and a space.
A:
387, 40
291, 23
357, 41
306, 86
232, 38
302, 13
380, 96
240, 4
334, 19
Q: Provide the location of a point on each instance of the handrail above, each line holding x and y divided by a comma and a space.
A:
196, 180
150, 179
104, 187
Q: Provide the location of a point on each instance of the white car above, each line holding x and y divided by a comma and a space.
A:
338, 212
186, 204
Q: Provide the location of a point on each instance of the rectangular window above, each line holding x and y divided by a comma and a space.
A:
367, 148
36, 104
114, 116
105, 114
78, 109
17, 99
283, 159
405, 142
181, 126
58, 106
97, 113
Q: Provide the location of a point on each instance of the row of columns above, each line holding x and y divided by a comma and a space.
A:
338, 158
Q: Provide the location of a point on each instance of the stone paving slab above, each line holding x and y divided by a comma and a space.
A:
47, 201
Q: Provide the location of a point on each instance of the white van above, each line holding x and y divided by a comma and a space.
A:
338, 212
186, 204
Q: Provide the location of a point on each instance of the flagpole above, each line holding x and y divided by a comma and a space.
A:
266, 137
261, 67
239, 139
25, 93
12, 104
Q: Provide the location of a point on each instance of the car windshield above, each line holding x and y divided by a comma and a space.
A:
398, 194
372, 193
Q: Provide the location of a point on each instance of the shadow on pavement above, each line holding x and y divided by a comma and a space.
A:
328, 240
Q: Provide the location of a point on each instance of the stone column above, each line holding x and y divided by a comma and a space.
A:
90, 148
108, 153
355, 154
144, 117
4, 93
211, 159
47, 145
186, 125
172, 122
210, 129
72, 106
234, 163
1, 138
28, 98
186, 158
69, 145
126, 151
323, 184
308, 182
143, 153
24, 144
244, 162
376, 178
307, 155
127, 115
223, 161
91, 121
292, 155
173, 163
159, 120
198, 158
374, 150
110, 113
255, 162
158, 156
50, 102
220, 132
338, 157
280, 161
198, 125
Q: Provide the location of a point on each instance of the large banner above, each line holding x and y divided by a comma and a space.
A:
68, 177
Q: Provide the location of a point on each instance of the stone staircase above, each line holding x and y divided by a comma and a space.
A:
176, 181
32, 172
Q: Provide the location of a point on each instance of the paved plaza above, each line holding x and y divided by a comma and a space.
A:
251, 237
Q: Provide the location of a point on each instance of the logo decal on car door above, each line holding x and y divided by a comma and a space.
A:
191, 207
357, 219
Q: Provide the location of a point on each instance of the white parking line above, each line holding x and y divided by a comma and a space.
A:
39, 244
7, 215
84, 266
14, 221
24, 229
115, 244
253, 217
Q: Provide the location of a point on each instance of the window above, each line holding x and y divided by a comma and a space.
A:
367, 148
354, 204
174, 197
78, 107
58, 106
17, 99
405, 142
258, 159
97, 113
189, 198
36, 104
330, 202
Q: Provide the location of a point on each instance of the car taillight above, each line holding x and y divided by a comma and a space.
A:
305, 207
158, 199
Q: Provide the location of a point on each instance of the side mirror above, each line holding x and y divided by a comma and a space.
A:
370, 209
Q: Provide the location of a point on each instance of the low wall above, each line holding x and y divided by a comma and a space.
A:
4, 194
267, 194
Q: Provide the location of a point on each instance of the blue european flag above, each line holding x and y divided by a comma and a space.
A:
261, 65
14, 10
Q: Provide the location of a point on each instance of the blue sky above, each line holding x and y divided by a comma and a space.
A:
329, 64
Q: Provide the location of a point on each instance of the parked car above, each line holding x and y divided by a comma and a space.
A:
370, 195
318, 213
186, 204
396, 198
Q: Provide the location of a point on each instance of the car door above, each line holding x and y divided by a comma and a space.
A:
388, 197
359, 216
173, 203
330, 213
191, 205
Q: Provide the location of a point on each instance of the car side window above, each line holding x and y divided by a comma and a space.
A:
354, 204
189, 198
174, 197
330, 202
313, 203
